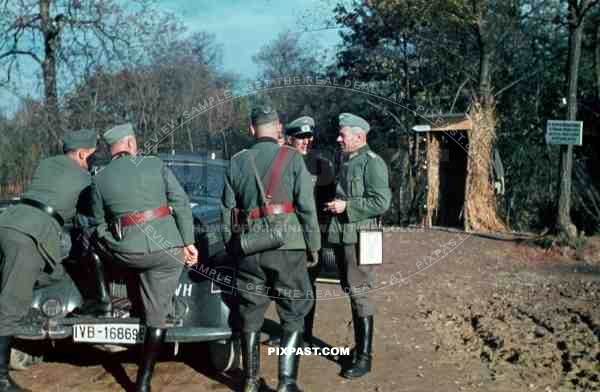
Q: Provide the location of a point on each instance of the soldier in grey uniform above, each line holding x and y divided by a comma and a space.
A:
362, 196
280, 274
144, 218
300, 134
30, 236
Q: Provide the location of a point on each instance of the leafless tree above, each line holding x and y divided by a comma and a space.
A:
63, 39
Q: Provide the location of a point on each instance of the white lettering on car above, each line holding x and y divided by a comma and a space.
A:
184, 290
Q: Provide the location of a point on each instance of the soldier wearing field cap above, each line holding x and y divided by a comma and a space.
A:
280, 273
362, 196
30, 237
300, 134
144, 218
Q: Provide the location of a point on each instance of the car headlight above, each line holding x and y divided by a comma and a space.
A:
52, 307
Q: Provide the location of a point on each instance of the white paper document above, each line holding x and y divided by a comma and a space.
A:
370, 246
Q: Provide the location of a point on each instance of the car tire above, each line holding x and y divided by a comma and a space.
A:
224, 355
20, 360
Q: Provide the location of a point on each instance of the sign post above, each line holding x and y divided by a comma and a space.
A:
567, 134
564, 132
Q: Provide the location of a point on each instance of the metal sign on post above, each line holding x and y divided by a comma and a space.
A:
564, 132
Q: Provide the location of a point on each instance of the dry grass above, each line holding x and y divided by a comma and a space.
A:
480, 201
433, 177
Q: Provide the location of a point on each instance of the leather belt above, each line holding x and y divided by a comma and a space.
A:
271, 209
46, 208
144, 216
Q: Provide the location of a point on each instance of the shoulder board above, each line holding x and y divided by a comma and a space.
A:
238, 154
140, 158
372, 154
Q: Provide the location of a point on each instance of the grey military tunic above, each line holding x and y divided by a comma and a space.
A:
30, 238
279, 274
154, 249
362, 181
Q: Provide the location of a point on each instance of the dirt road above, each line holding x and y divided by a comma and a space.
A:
455, 313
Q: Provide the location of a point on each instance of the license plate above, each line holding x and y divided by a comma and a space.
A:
108, 333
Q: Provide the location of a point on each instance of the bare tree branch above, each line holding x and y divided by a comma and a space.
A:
15, 52
458, 90
514, 82
386, 111
585, 7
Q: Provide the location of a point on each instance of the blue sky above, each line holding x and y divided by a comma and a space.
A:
242, 27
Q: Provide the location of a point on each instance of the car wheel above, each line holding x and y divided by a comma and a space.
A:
20, 360
224, 354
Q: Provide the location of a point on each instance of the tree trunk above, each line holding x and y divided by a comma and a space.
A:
564, 224
51, 41
406, 67
597, 61
190, 138
404, 193
485, 77
480, 206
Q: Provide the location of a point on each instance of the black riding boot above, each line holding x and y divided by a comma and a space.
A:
6, 383
100, 305
289, 362
309, 320
251, 362
153, 342
361, 363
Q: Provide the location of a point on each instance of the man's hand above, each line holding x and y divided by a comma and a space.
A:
312, 258
190, 255
336, 206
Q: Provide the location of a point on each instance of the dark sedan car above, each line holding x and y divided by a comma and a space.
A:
204, 299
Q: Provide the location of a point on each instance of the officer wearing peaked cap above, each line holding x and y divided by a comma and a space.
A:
300, 133
137, 202
30, 236
283, 270
362, 196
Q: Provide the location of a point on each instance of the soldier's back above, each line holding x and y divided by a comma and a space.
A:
292, 186
57, 182
244, 179
130, 184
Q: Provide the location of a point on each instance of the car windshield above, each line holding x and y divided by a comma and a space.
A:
199, 179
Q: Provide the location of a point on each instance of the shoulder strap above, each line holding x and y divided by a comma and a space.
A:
259, 183
274, 177
276, 174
